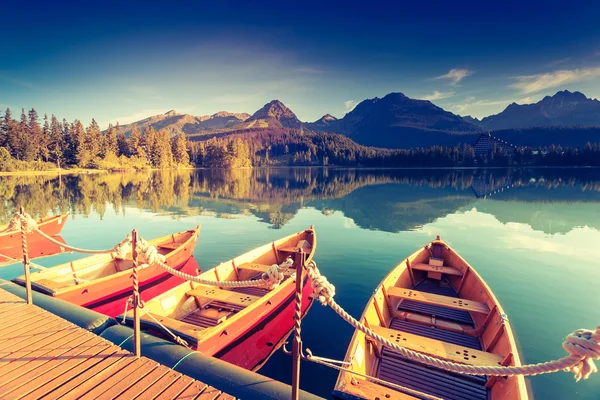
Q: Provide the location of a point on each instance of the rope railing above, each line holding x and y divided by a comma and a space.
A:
270, 279
583, 345
30, 225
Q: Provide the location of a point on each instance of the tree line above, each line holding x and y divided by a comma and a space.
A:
25, 142
297, 148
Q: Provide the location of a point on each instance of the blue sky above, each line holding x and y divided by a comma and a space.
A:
127, 61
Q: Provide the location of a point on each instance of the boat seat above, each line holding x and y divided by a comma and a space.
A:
436, 333
53, 285
453, 303
254, 267
434, 381
170, 246
302, 244
207, 317
436, 269
438, 348
207, 294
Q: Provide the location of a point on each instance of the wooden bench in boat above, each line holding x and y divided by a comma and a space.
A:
206, 294
436, 268
439, 348
254, 267
171, 246
454, 303
369, 390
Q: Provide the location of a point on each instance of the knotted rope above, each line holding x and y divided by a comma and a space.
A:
15, 223
30, 226
270, 279
583, 345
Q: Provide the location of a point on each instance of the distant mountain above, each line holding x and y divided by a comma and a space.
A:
563, 109
186, 123
324, 121
472, 120
397, 121
273, 115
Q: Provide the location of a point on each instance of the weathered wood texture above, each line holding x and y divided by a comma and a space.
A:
43, 356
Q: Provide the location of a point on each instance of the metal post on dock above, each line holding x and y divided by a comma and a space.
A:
25, 258
300, 259
137, 348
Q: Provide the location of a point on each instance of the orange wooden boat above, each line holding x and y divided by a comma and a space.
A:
36, 249
243, 326
51, 226
435, 303
103, 282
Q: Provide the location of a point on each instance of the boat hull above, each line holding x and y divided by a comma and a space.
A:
259, 339
37, 249
109, 298
52, 226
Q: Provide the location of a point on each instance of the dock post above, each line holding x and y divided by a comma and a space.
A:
25, 258
300, 259
137, 349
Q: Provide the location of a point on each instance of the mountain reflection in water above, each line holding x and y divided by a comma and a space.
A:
386, 200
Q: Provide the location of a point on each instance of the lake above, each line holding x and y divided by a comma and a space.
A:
532, 234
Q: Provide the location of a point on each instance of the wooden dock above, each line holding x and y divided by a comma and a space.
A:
43, 356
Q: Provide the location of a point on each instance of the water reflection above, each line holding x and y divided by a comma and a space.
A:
387, 200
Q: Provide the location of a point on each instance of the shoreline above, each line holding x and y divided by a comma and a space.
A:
103, 171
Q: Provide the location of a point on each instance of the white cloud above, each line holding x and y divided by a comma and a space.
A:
436, 95
455, 75
535, 83
349, 105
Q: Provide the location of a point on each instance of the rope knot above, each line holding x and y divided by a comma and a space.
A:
29, 224
123, 248
149, 253
583, 343
323, 290
273, 276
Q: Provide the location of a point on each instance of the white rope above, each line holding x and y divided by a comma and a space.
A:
583, 345
30, 225
270, 279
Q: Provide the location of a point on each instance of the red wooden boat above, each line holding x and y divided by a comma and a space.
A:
36, 249
103, 282
11, 238
243, 326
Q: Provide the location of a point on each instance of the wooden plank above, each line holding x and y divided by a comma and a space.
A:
159, 386
438, 300
171, 246
254, 267
45, 382
439, 348
176, 388
120, 380
435, 268
205, 294
147, 381
44, 356
29, 371
363, 389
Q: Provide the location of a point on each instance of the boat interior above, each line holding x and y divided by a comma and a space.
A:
436, 304
191, 308
96, 267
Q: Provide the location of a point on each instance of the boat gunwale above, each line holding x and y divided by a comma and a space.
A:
41, 222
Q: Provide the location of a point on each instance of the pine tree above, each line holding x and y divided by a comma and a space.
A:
5, 129
44, 151
56, 143
135, 142
179, 147
81, 150
122, 144
93, 139
34, 137
70, 143
111, 146
152, 148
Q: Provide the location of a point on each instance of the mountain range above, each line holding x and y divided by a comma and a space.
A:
397, 121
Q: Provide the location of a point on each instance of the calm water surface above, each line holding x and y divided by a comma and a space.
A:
532, 234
